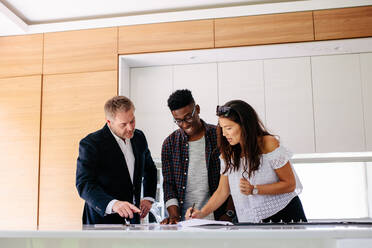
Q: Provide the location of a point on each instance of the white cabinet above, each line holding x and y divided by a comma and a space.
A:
242, 80
366, 71
338, 103
289, 109
150, 88
314, 104
201, 79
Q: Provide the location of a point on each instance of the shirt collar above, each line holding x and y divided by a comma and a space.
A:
118, 139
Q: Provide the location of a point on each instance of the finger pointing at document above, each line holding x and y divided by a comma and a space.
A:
125, 209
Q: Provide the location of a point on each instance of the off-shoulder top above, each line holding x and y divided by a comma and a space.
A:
253, 208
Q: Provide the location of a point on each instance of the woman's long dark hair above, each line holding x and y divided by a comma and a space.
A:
252, 129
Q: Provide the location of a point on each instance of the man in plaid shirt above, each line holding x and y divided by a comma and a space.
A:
190, 160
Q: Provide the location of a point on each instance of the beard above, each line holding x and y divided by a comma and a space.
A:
125, 135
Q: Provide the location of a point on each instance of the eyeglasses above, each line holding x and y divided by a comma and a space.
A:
187, 119
223, 110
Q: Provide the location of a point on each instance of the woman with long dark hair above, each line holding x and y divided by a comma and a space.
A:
255, 170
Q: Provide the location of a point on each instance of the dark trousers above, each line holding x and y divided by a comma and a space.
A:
293, 212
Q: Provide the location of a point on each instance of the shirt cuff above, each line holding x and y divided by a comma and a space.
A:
171, 202
152, 200
109, 207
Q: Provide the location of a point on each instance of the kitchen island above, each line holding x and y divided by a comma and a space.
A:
155, 235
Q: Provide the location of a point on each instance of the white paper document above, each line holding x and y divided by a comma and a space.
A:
109, 226
201, 222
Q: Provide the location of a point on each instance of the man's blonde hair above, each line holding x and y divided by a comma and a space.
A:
115, 104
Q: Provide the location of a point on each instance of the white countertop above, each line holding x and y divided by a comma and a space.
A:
156, 231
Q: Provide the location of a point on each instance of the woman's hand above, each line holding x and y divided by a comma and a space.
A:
245, 186
196, 214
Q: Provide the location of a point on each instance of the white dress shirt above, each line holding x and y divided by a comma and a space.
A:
126, 148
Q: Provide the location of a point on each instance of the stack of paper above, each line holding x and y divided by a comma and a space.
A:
202, 222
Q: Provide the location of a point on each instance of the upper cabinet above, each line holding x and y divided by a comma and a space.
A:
202, 80
343, 23
289, 105
264, 29
338, 109
166, 37
80, 51
150, 88
21, 55
242, 80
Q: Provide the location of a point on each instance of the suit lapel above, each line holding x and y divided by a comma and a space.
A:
136, 174
112, 147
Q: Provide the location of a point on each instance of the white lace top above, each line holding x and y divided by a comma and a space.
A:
253, 208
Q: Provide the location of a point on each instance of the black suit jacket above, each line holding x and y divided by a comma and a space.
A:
102, 175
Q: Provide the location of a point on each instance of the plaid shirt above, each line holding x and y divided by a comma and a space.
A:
175, 162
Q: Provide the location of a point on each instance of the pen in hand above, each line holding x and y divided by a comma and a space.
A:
126, 222
192, 209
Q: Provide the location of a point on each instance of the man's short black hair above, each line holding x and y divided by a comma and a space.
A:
180, 99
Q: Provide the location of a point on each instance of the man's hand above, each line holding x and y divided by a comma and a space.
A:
125, 209
170, 220
145, 207
174, 215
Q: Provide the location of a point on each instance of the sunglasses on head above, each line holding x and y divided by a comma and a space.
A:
223, 111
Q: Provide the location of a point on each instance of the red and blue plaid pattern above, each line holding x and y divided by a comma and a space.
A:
175, 161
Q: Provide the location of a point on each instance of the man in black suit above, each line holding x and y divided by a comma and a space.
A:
111, 165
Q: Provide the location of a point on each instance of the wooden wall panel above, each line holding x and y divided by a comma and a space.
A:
80, 51
72, 108
21, 55
264, 29
166, 37
19, 151
343, 23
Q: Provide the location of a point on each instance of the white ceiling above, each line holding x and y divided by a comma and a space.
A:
44, 11
39, 16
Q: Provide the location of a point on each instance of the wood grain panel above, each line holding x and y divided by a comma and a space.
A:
80, 51
166, 37
21, 55
264, 29
19, 151
343, 23
72, 108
